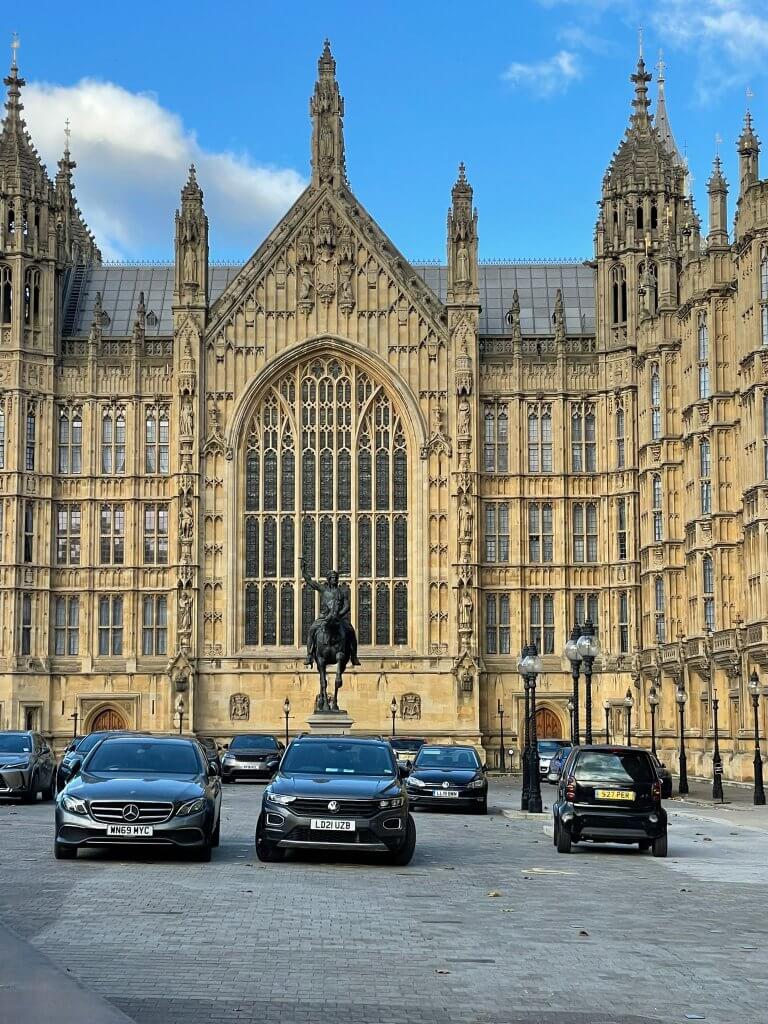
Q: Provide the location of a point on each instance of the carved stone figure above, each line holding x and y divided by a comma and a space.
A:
186, 418
185, 613
346, 296
239, 707
305, 282
466, 521
332, 638
186, 524
462, 265
464, 417
466, 610
410, 706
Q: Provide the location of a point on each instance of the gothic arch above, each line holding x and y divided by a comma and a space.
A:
106, 716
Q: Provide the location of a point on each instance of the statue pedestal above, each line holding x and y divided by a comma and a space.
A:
330, 723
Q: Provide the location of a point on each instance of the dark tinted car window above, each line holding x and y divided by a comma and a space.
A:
15, 743
607, 766
88, 742
550, 746
446, 757
152, 757
338, 759
407, 744
248, 742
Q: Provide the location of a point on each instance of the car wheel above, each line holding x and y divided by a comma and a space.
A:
555, 830
266, 851
645, 844
404, 854
203, 853
216, 834
660, 846
563, 840
61, 852
482, 808
50, 790
30, 797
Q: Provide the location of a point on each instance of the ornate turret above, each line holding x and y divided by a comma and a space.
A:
19, 160
661, 119
462, 243
191, 246
326, 108
749, 149
77, 243
558, 318
717, 187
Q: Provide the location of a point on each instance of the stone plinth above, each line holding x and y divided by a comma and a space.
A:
330, 723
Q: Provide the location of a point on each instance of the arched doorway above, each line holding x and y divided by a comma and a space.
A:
108, 719
548, 725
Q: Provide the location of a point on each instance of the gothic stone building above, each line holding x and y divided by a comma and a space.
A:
487, 453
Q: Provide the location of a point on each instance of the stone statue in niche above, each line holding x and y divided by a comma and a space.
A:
410, 706
185, 613
466, 522
239, 707
464, 418
186, 524
189, 240
305, 283
346, 296
466, 610
186, 417
462, 264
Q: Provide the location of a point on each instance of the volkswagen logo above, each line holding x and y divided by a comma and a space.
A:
333, 805
445, 785
131, 812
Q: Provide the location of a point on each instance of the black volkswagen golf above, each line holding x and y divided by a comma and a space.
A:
336, 792
140, 790
448, 776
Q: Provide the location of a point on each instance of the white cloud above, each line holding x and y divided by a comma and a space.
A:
133, 156
545, 77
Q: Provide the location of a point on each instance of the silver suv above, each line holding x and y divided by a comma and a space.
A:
27, 766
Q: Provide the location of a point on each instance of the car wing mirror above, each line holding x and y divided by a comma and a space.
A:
404, 770
74, 768
213, 768
485, 767
226, 746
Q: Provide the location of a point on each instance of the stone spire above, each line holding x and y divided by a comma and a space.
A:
661, 120
462, 242
191, 246
18, 157
326, 108
749, 149
640, 103
558, 318
717, 187
79, 245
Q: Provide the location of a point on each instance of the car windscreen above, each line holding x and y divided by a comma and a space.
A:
614, 766
87, 743
253, 742
459, 758
338, 759
15, 743
145, 757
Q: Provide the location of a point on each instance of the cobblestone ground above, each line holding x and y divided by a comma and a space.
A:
488, 924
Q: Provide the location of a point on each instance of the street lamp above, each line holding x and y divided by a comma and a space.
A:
530, 668
74, 716
588, 647
286, 712
607, 710
180, 713
717, 761
629, 704
571, 708
653, 702
572, 654
681, 697
500, 713
393, 712
526, 756
754, 690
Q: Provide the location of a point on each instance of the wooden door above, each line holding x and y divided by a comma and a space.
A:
108, 719
548, 725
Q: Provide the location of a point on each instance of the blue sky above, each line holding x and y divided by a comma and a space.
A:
533, 95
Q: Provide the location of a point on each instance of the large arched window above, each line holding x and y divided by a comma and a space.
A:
325, 477
658, 509
703, 348
618, 294
6, 295
655, 402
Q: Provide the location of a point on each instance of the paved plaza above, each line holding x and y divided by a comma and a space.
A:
487, 924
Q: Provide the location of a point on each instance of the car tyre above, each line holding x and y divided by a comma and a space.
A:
404, 853
645, 844
555, 830
30, 797
216, 834
202, 853
660, 846
62, 852
482, 808
563, 840
267, 851
50, 790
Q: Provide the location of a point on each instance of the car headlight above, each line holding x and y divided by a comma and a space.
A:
476, 783
227, 759
413, 781
396, 801
191, 807
279, 798
73, 805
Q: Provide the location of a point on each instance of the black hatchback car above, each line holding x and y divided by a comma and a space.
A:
140, 791
448, 776
610, 794
336, 793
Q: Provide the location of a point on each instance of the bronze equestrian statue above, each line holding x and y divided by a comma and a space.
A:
332, 639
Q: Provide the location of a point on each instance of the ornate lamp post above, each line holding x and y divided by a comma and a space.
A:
607, 710
588, 647
500, 713
754, 691
717, 761
180, 712
571, 652
393, 712
526, 758
286, 713
571, 708
628, 705
653, 703
530, 667
681, 697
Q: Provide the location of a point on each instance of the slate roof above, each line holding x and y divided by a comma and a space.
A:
536, 284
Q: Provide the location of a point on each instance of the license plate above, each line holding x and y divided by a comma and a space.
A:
445, 792
614, 794
332, 825
131, 831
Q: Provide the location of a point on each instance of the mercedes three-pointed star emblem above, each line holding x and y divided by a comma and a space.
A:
131, 812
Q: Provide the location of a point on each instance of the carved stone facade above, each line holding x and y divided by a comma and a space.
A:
486, 453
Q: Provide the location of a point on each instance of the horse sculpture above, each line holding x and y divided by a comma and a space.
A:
332, 639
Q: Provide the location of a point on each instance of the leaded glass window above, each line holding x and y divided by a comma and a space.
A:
325, 477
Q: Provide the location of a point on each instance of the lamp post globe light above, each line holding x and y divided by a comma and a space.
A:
754, 692
525, 759
607, 710
393, 712
653, 703
628, 705
180, 713
571, 708
286, 713
717, 761
531, 667
588, 647
681, 697
571, 652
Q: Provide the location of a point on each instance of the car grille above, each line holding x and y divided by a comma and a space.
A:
150, 812
348, 808
308, 835
251, 758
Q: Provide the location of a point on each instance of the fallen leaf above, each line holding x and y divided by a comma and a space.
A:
493, 893
707, 839
583, 932
508, 910
441, 971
